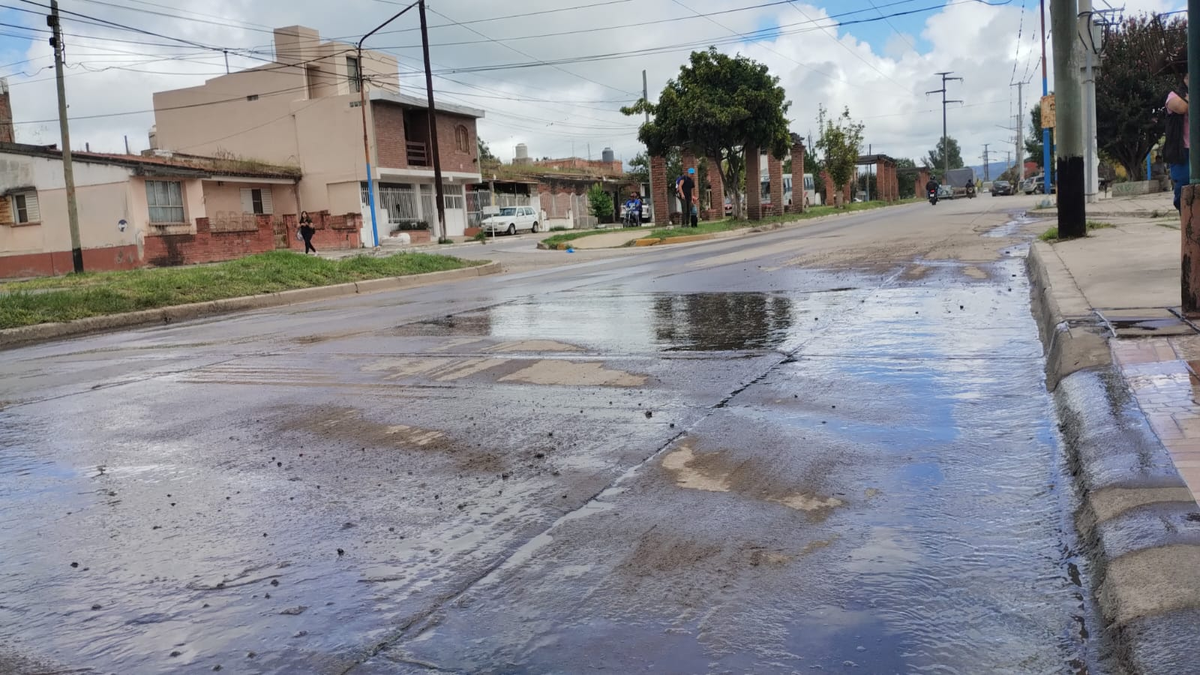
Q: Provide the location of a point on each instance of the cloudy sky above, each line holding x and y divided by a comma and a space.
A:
554, 75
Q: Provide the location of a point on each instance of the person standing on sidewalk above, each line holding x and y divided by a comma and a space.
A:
1178, 140
306, 232
685, 188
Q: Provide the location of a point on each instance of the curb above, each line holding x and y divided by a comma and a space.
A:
1053, 213
727, 234
15, 337
1138, 525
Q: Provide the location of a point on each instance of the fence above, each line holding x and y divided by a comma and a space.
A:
478, 199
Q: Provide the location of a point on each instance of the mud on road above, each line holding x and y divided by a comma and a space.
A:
763, 455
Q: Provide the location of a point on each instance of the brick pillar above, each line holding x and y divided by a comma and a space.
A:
895, 182
922, 179
754, 209
716, 183
6, 121
880, 192
659, 191
775, 175
798, 192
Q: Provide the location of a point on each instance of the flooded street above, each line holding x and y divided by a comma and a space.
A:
827, 448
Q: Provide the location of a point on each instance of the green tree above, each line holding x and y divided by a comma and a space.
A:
1033, 137
935, 160
600, 203
718, 105
839, 143
486, 158
906, 179
639, 167
1131, 87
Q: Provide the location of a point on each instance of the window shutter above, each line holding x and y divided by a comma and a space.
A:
32, 208
247, 200
267, 206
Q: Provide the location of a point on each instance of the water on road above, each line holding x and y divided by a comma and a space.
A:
712, 460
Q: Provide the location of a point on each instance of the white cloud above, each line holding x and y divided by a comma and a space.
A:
886, 90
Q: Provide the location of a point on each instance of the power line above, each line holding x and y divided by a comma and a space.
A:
890, 25
525, 54
856, 55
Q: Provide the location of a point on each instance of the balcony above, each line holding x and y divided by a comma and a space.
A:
418, 153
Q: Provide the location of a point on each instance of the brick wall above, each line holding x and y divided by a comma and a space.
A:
207, 246
389, 136
754, 209
60, 262
775, 175
332, 232
453, 158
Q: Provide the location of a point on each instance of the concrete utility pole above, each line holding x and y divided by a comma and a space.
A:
945, 143
1089, 43
1047, 169
1072, 208
645, 95
439, 190
1020, 148
986, 168
68, 170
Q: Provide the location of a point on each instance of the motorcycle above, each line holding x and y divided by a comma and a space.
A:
933, 197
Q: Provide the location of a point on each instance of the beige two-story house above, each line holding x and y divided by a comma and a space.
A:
304, 109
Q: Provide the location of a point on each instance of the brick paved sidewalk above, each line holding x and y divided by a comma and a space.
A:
1161, 372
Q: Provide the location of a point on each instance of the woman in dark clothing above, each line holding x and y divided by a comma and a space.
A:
307, 232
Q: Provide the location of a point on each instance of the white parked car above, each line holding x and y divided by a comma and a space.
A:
511, 219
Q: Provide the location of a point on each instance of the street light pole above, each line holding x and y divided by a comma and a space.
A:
362, 103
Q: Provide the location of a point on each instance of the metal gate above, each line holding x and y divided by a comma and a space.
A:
581, 213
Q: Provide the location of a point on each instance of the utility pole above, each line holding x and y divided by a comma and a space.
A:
362, 103
439, 190
986, 168
945, 142
1068, 106
1047, 169
1020, 147
645, 94
1087, 41
68, 170
1190, 216
227, 62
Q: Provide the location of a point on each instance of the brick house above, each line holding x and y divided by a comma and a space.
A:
304, 109
136, 211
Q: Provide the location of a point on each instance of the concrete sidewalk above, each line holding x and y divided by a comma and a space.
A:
1125, 280
1152, 205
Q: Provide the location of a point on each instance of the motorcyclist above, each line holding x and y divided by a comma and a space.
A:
633, 210
931, 186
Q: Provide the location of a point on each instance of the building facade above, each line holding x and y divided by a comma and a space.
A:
305, 109
136, 211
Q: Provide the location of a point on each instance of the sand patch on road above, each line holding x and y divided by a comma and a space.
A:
574, 373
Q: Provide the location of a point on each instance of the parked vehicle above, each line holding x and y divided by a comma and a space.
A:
945, 192
511, 219
1036, 185
1002, 187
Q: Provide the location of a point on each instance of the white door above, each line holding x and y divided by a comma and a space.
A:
456, 211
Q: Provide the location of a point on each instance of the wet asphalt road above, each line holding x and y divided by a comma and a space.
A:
702, 459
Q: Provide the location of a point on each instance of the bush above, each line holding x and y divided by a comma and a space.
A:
600, 202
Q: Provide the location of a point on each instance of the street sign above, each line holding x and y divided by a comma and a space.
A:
1048, 111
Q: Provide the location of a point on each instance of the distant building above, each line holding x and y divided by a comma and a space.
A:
611, 167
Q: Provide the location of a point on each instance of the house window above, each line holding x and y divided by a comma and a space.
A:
25, 208
165, 200
257, 201
354, 74
462, 138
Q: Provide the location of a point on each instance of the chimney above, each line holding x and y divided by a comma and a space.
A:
6, 123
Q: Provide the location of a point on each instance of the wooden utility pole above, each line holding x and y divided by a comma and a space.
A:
64, 128
439, 190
